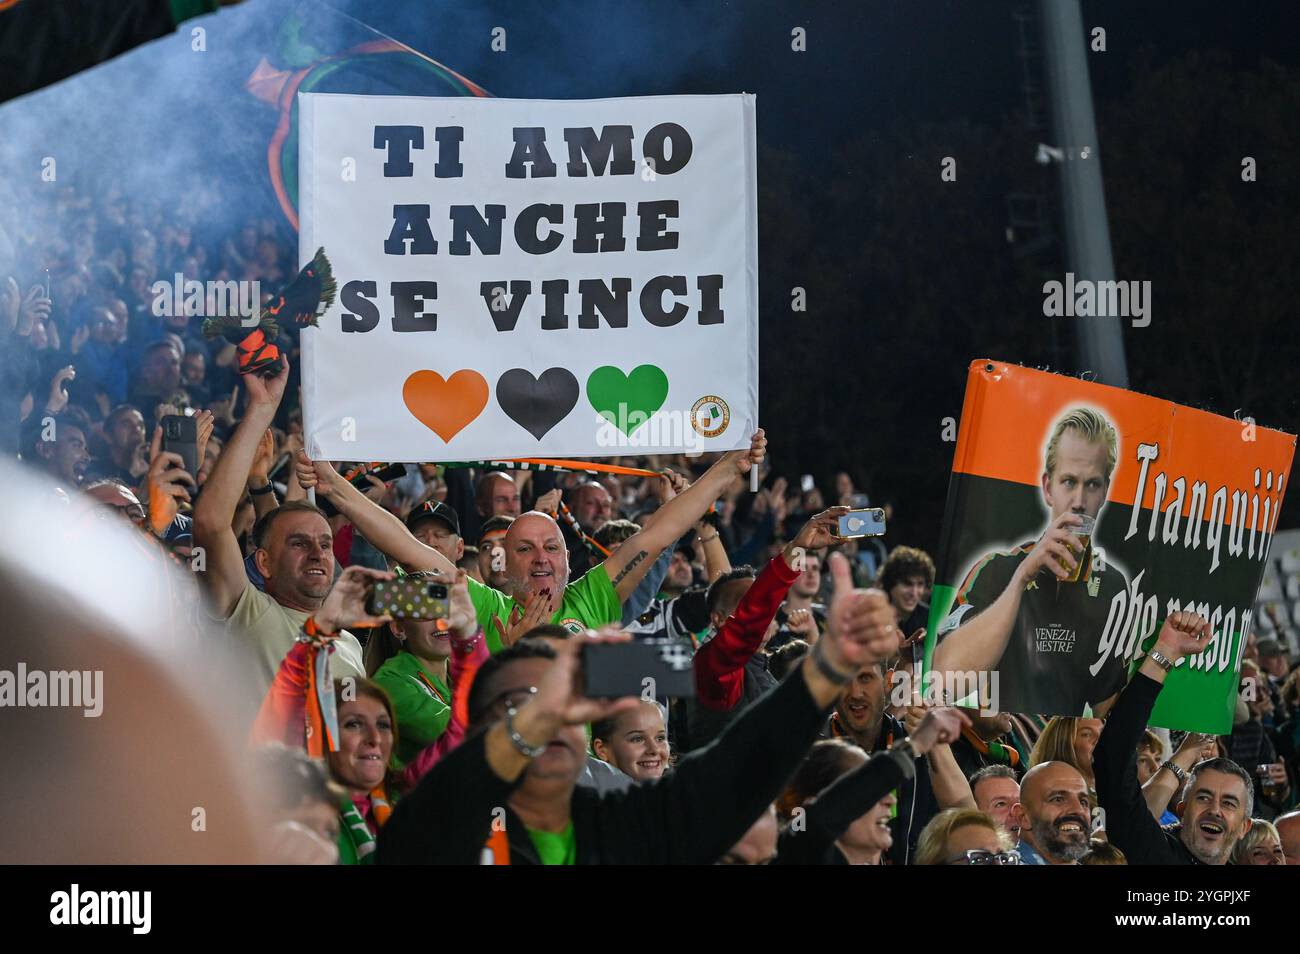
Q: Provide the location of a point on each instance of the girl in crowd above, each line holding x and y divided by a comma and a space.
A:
635, 742
963, 836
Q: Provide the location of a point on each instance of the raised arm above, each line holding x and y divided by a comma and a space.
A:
259, 480
844, 801
979, 644
383, 530
1163, 786
225, 578
674, 518
720, 663
716, 792
1129, 824
450, 813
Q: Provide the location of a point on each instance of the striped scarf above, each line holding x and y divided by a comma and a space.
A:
358, 831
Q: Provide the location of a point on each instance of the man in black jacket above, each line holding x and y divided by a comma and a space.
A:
510, 789
1218, 797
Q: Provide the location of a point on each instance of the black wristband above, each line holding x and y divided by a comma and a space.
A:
826, 669
269, 488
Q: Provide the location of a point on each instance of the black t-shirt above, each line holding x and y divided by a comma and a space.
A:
1047, 664
915, 620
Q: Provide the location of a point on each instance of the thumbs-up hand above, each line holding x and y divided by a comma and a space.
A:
860, 625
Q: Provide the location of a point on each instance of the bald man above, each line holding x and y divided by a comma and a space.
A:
1288, 827
537, 559
1055, 815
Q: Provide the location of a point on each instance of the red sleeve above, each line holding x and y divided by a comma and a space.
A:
283, 714
720, 663
343, 545
465, 660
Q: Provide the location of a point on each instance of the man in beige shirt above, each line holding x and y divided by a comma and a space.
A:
294, 552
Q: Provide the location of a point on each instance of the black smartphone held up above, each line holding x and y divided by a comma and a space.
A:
384, 472
409, 597
181, 436
862, 523
648, 668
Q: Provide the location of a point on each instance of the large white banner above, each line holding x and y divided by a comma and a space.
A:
525, 278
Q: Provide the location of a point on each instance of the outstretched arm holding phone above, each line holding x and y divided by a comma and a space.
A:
692, 816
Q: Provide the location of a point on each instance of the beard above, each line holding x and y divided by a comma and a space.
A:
1058, 846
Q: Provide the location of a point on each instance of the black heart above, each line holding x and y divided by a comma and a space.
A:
537, 404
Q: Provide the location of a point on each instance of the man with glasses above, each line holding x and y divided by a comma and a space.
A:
119, 498
509, 793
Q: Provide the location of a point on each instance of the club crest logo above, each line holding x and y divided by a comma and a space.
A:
710, 416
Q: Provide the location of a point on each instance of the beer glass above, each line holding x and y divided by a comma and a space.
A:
1083, 552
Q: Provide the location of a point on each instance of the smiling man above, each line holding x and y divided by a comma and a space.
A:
59, 445
1219, 795
1036, 614
294, 552
536, 557
997, 794
1054, 815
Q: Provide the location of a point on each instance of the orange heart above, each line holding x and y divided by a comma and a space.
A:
445, 407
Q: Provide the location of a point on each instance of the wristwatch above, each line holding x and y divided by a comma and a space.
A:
531, 751
1178, 772
1160, 659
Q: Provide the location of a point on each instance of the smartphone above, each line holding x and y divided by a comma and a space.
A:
649, 668
409, 597
384, 472
181, 436
806, 483
862, 523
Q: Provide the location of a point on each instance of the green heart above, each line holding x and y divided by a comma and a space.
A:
622, 399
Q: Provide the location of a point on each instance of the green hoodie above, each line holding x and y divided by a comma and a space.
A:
421, 701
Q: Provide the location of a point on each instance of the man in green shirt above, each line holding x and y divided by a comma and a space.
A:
537, 560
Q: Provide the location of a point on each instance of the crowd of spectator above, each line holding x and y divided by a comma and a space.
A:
469, 739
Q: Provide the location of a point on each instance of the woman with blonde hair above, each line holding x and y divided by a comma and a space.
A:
1261, 845
964, 836
1070, 740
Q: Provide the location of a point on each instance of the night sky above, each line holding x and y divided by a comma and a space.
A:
906, 283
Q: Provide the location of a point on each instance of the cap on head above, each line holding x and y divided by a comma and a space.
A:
434, 510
